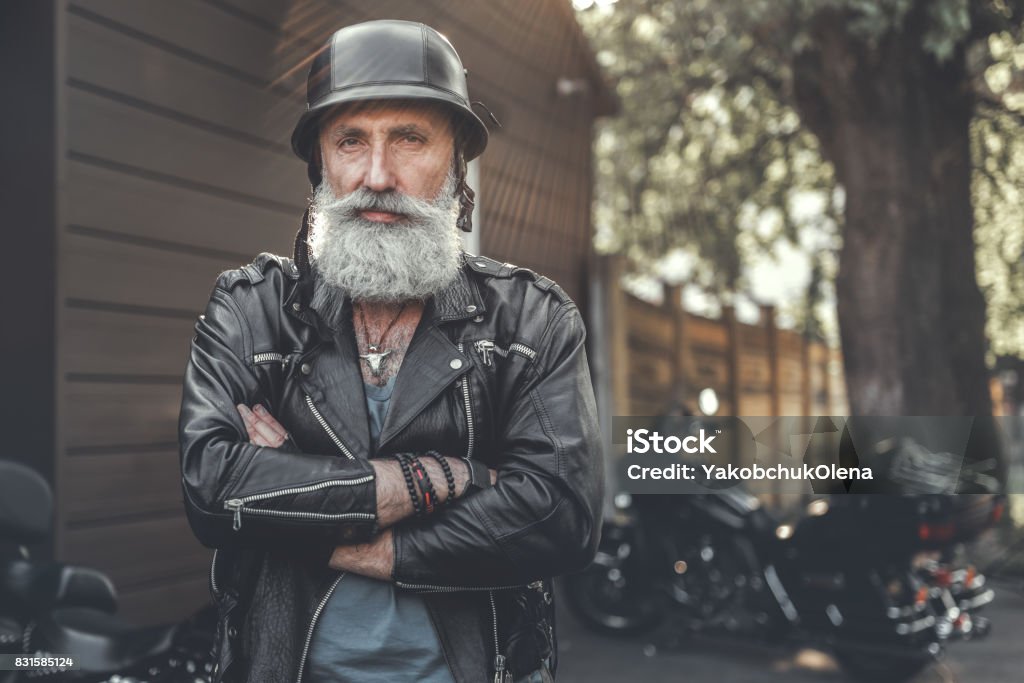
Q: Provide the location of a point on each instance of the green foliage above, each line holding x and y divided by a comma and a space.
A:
708, 155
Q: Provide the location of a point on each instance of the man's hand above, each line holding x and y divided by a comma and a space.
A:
263, 429
375, 559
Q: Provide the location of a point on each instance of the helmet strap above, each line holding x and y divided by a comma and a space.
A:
300, 252
465, 194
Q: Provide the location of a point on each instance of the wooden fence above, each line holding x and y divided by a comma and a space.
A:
659, 355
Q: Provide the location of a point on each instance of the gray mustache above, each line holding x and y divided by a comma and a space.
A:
365, 199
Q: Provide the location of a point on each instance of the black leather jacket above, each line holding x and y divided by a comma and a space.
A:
496, 372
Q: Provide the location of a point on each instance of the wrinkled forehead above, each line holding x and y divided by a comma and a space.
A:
423, 113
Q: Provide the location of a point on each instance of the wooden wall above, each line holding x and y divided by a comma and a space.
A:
174, 164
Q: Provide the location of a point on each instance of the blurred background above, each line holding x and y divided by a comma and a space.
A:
810, 207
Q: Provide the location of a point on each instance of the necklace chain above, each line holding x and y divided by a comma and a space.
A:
375, 355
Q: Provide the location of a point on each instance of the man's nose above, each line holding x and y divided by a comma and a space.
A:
380, 176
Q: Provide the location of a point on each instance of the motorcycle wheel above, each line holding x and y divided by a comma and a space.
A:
610, 601
881, 668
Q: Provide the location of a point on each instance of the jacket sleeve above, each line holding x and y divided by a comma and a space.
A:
543, 516
237, 493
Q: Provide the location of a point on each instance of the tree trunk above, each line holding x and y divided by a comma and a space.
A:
894, 122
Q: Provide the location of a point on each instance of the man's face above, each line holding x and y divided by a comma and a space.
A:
383, 218
387, 147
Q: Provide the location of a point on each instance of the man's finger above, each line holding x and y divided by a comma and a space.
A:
266, 433
248, 419
260, 434
266, 418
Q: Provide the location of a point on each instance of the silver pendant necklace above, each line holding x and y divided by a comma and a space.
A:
375, 353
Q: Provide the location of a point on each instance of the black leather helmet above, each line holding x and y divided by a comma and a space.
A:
386, 60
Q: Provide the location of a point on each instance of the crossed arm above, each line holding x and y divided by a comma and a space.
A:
375, 558
541, 518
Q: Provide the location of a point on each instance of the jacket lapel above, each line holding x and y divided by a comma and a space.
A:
433, 361
336, 388
431, 364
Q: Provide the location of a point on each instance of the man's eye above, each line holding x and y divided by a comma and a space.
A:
413, 138
348, 142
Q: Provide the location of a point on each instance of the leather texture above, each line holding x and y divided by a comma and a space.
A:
496, 372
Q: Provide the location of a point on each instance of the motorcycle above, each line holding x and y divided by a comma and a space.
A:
880, 581
50, 609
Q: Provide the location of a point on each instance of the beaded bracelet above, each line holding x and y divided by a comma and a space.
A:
426, 486
406, 466
448, 475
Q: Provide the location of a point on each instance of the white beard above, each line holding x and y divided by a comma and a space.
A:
413, 258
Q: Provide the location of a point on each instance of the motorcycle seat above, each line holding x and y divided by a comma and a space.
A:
100, 642
35, 587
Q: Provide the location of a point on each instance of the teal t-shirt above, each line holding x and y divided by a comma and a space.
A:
370, 631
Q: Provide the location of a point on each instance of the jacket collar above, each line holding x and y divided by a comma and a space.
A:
460, 300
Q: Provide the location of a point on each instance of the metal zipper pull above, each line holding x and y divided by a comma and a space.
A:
500, 675
484, 347
235, 506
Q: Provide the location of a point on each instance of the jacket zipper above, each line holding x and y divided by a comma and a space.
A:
268, 357
327, 428
467, 401
500, 675
236, 505
312, 625
486, 347
213, 574
523, 349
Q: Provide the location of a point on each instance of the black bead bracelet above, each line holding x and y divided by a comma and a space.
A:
404, 463
448, 475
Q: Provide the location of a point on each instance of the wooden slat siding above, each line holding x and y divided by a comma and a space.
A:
204, 30
167, 601
125, 344
112, 485
106, 129
109, 414
110, 271
161, 78
146, 209
161, 547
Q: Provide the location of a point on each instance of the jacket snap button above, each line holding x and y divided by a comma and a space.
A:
478, 319
455, 364
232, 632
470, 309
306, 369
296, 307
